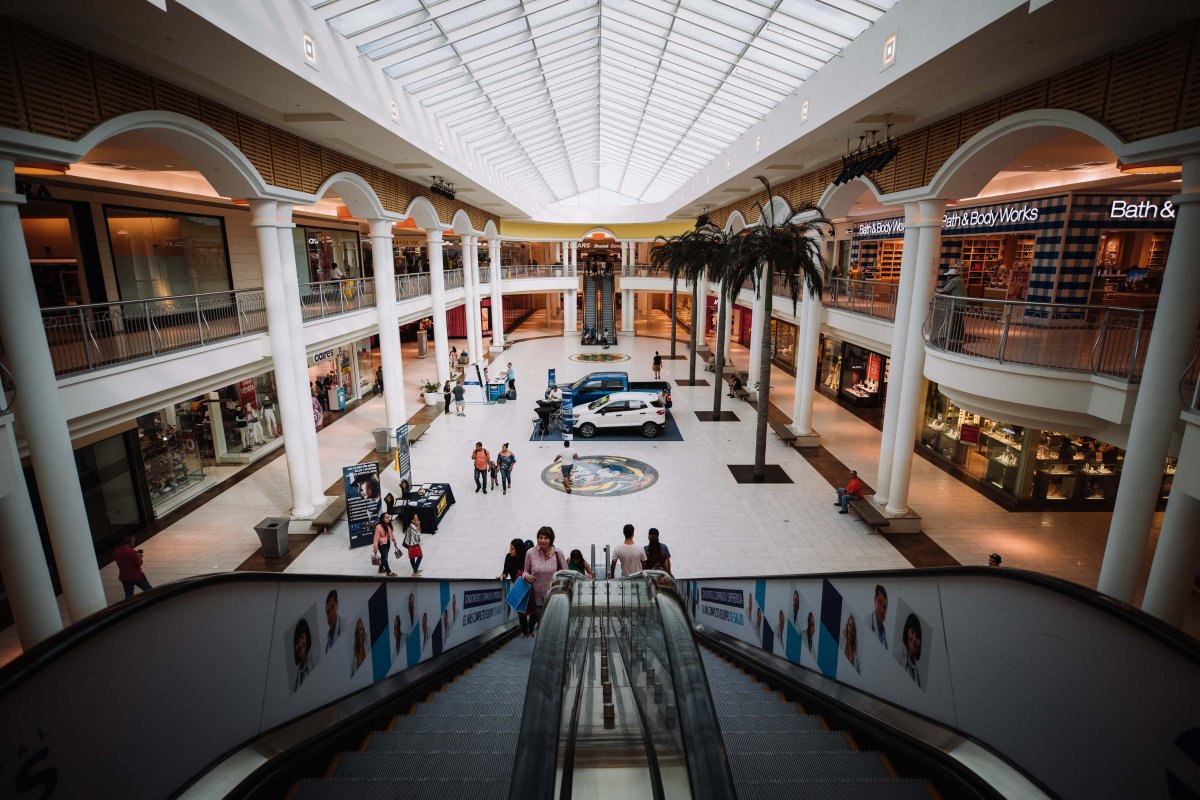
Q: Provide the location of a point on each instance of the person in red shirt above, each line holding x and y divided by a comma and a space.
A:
851, 491
129, 567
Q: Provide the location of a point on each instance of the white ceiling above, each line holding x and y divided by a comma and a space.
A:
625, 98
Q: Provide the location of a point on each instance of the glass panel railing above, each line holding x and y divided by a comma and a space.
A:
330, 298
1102, 340
412, 285
871, 298
91, 337
453, 278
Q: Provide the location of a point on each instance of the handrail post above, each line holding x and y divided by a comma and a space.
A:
1137, 345
237, 312
199, 321
1101, 339
83, 338
149, 327
1004, 332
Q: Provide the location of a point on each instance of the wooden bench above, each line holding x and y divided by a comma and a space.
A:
329, 517
416, 431
870, 513
785, 434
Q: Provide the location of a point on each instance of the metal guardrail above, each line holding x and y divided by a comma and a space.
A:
412, 285
330, 298
453, 278
1102, 340
518, 271
485, 275
871, 298
90, 337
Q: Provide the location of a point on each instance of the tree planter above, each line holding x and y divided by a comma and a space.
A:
432, 398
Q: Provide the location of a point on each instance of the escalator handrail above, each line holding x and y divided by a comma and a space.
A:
707, 763
1147, 624
24, 666
535, 768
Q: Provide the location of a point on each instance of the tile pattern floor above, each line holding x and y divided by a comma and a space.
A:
714, 526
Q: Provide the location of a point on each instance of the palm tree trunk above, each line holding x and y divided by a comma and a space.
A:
674, 321
718, 365
693, 340
764, 378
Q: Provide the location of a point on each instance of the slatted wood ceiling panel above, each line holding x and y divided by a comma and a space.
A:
943, 141
1189, 107
1146, 86
168, 97
974, 120
221, 119
12, 109
255, 141
119, 89
285, 160
56, 82
1082, 89
1030, 97
310, 166
910, 161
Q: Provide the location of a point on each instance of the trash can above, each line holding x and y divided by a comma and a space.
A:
273, 533
381, 440
422, 344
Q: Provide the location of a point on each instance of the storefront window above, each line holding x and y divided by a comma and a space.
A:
160, 253
109, 491
783, 344
319, 251
52, 243
864, 377
331, 373
171, 455
829, 367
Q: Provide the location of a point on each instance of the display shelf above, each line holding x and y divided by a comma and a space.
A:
888, 264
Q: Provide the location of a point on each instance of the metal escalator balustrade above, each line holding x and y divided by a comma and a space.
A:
608, 315
589, 301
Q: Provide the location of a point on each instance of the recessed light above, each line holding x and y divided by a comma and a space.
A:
757, 142
310, 49
889, 50
395, 111
804, 111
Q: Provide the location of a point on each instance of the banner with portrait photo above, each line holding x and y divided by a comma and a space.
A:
363, 502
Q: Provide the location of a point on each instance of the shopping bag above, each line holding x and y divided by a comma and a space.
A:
518, 595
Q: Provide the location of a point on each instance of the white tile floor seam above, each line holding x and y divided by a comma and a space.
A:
713, 525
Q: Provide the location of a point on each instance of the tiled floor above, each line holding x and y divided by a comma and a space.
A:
713, 525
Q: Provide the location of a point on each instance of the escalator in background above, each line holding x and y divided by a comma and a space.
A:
455, 744
608, 314
589, 303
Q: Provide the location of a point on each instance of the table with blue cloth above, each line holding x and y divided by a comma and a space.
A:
430, 507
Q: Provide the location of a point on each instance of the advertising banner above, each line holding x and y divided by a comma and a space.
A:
246, 394
403, 456
969, 434
550, 383
874, 363
363, 501
568, 416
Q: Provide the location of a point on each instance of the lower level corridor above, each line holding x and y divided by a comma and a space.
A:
713, 525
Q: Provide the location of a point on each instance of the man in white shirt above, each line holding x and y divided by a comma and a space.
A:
628, 555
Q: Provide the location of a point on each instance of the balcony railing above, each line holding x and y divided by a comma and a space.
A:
330, 298
485, 276
86, 338
454, 278
871, 298
412, 285
518, 271
1102, 340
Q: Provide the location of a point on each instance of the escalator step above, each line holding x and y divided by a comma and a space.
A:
842, 790
395, 742
417, 723
366, 789
801, 742
803, 768
433, 767
770, 724
456, 707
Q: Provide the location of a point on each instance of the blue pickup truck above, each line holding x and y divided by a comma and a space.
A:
595, 385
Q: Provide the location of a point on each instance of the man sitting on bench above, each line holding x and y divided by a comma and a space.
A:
735, 385
851, 491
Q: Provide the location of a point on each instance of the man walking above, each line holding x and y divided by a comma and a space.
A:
129, 567
567, 466
628, 555
658, 555
460, 406
480, 458
851, 491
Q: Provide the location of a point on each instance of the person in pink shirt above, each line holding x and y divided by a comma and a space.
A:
129, 567
541, 563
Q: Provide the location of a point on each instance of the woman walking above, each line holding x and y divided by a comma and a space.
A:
514, 568
540, 565
412, 541
505, 461
384, 539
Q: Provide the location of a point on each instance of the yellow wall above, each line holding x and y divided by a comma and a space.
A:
545, 230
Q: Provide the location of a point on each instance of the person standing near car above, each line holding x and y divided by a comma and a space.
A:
657, 366
480, 459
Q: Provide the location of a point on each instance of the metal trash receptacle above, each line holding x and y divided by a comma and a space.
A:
382, 445
273, 533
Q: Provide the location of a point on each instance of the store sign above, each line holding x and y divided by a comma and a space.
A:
874, 362
403, 456
969, 434
990, 217
246, 394
324, 355
1146, 209
881, 227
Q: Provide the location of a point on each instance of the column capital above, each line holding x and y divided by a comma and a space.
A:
434, 236
379, 228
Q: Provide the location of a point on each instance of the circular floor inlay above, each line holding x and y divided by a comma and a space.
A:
603, 476
598, 358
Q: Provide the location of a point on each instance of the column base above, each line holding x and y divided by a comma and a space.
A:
805, 441
908, 522
318, 508
495, 348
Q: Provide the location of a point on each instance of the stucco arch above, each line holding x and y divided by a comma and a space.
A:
357, 194
219, 160
490, 231
977, 161
837, 201
736, 223
461, 223
600, 229
422, 212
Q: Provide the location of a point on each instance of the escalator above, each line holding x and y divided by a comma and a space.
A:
590, 316
608, 313
456, 743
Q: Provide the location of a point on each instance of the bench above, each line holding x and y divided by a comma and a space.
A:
870, 513
416, 431
786, 434
741, 393
329, 517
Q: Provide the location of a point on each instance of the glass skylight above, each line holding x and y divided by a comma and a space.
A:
599, 98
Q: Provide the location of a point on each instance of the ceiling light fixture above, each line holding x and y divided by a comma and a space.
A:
869, 159
442, 188
310, 49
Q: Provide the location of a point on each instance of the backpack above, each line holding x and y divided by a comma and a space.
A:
481, 459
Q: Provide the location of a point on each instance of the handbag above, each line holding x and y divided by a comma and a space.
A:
374, 559
518, 595
415, 551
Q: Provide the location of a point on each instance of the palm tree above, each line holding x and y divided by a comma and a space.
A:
778, 247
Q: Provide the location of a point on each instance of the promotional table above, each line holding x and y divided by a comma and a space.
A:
430, 508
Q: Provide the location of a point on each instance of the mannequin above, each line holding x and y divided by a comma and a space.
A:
239, 422
254, 424
268, 411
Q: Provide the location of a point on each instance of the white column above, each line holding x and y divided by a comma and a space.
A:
437, 296
468, 294
43, 418
703, 310
389, 327
574, 258
756, 316
294, 398
1158, 404
627, 310
22, 560
570, 321
904, 296
1174, 567
924, 265
558, 248
476, 298
497, 296
808, 338
299, 354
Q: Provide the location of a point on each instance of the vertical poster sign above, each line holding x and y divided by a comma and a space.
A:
246, 394
568, 416
361, 483
874, 362
403, 457
969, 434
550, 380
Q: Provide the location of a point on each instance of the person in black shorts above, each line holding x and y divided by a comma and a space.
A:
567, 466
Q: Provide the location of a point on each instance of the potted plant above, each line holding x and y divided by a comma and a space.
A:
432, 392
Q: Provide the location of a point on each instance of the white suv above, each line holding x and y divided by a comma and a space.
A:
641, 410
